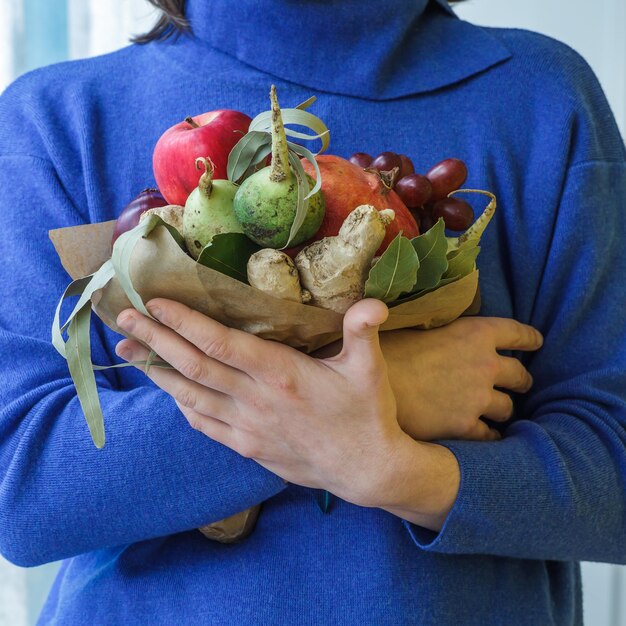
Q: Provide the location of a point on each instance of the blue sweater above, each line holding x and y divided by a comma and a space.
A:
529, 118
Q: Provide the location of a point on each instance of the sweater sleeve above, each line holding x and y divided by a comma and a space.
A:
555, 487
59, 495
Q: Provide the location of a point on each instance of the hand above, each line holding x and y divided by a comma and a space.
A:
328, 424
443, 379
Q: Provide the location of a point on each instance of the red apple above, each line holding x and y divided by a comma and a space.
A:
345, 186
212, 135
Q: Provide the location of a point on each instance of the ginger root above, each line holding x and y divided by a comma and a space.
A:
273, 272
334, 269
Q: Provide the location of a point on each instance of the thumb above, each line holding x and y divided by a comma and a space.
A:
360, 333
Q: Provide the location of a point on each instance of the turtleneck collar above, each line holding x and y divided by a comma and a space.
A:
364, 48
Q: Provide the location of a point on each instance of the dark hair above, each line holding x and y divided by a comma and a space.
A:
172, 21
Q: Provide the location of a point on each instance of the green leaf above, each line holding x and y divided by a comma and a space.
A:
299, 117
150, 360
307, 103
123, 250
85, 288
250, 150
302, 206
462, 262
414, 295
304, 190
228, 253
77, 349
259, 158
309, 156
431, 248
446, 281
75, 288
79, 363
395, 271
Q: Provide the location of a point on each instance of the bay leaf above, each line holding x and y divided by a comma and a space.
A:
395, 271
431, 249
446, 281
463, 261
228, 253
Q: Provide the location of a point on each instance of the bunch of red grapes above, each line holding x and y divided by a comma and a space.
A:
425, 195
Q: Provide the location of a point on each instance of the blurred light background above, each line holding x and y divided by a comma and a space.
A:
39, 32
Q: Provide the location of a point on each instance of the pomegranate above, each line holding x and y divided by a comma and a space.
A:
345, 186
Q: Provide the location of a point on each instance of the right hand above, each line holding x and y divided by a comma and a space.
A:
447, 379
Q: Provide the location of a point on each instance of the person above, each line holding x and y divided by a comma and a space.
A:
437, 519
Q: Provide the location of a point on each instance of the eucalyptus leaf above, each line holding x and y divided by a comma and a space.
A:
79, 363
246, 153
77, 349
228, 253
307, 103
123, 250
261, 155
394, 273
85, 288
150, 360
99, 280
75, 288
299, 117
302, 206
307, 154
78, 354
259, 158
431, 248
298, 135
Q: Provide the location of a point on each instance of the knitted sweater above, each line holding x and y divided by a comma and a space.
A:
530, 120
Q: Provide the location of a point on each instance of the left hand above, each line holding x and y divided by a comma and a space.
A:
322, 423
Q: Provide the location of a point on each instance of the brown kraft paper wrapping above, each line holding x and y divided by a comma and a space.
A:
159, 268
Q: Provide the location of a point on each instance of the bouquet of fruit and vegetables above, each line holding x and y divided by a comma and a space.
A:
256, 231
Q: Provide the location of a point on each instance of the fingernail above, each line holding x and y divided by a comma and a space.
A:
123, 351
126, 321
155, 311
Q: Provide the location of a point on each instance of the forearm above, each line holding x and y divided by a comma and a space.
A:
60, 496
423, 484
